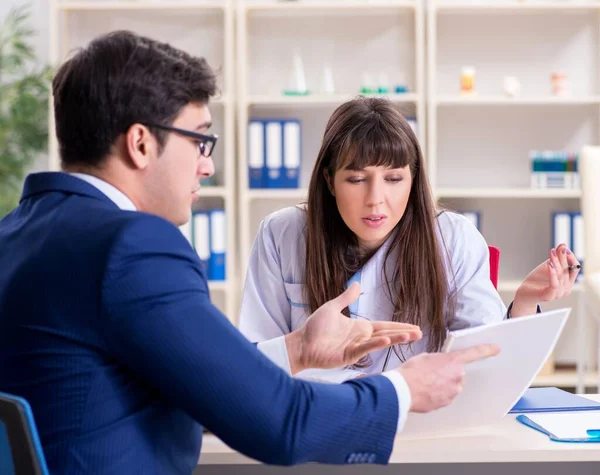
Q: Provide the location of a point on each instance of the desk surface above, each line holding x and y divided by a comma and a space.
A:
507, 441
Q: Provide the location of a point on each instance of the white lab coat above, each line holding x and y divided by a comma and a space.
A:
273, 301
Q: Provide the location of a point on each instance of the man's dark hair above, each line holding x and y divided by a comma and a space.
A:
120, 79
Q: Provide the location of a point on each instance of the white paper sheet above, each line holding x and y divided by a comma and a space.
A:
493, 386
568, 425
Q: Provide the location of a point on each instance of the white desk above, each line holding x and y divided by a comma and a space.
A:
509, 441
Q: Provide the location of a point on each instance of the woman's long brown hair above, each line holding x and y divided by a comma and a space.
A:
371, 132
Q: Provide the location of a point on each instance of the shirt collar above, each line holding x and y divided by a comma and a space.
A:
114, 194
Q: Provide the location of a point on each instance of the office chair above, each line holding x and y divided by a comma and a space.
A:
20, 449
494, 265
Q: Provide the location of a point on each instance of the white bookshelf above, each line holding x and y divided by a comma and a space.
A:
319, 6
507, 192
532, 100
383, 35
478, 145
322, 99
203, 28
114, 6
512, 6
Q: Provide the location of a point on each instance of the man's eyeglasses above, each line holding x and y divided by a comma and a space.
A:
206, 143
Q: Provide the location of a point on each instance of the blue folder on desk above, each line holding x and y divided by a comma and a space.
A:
552, 400
577, 426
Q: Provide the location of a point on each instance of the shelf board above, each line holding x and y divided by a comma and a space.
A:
213, 191
456, 100
566, 378
301, 193
218, 285
140, 5
507, 193
513, 285
223, 100
278, 194
515, 6
362, 6
323, 99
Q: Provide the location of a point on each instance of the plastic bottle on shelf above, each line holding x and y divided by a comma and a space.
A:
467, 81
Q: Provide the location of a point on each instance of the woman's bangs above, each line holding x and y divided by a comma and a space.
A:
375, 148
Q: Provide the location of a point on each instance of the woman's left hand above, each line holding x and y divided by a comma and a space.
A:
551, 280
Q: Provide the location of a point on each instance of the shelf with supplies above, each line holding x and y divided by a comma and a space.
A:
322, 99
140, 5
319, 6
509, 193
286, 94
75, 23
504, 113
449, 100
513, 6
207, 233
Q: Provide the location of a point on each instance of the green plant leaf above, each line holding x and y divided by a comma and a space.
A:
24, 94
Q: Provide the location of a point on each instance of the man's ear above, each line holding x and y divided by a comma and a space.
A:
329, 181
140, 145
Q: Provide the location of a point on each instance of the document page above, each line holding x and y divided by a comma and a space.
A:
493, 386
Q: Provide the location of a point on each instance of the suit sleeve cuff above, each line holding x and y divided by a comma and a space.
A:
276, 351
404, 397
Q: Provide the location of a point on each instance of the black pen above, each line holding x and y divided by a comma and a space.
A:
573, 267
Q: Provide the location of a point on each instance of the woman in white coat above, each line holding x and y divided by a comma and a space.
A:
371, 218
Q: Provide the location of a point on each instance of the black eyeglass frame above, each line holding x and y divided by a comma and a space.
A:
202, 139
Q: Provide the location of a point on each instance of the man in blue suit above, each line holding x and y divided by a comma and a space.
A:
106, 325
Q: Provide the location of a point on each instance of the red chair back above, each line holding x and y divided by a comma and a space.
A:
494, 264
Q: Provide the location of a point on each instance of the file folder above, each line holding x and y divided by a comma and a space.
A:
256, 154
552, 400
274, 155
201, 233
218, 245
561, 229
577, 238
565, 426
291, 154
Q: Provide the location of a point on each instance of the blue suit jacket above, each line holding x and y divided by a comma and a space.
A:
107, 329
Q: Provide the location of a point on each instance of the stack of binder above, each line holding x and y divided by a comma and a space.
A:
551, 169
567, 227
274, 153
207, 233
